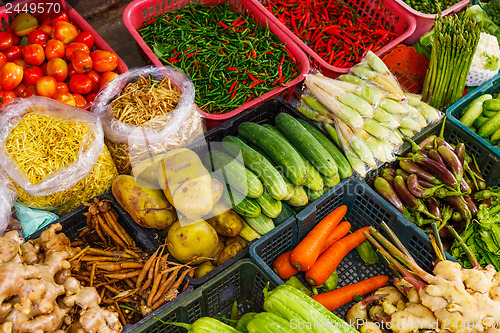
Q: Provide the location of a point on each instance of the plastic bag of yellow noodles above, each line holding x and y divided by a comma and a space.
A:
145, 112
54, 154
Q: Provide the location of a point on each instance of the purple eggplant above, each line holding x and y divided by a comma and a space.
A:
388, 174
439, 142
464, 187
460, 206
452, 161
460, 151
412, 167
437, 169
433, 207
385, 189
419, 191
408, 198
433, 153
471, 205
427, 143
425, 183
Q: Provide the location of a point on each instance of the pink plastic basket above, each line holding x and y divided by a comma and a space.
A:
140, 10
385, 11
9, 11
425, 22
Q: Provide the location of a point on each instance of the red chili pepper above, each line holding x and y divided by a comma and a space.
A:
232, 86
223, 53
234, 93
249, 98
256, 83
222, 24
281, 81
192, 54
196, 64
231, 68
254, 54
251, 77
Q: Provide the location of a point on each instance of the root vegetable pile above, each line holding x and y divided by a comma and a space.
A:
38, 293
127, 279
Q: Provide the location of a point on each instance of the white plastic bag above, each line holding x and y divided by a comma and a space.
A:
8, 196
160, 134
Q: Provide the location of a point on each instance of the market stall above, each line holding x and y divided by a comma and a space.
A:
311, 166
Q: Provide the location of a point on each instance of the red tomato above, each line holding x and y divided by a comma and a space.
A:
29, 91
54, 49
47, 28
20, 89
7, 96
80, 100
33, 54
75, 46
38, 35
105, 78
3, 59
91, 97
6, 40
12, 53
86, 38
31, 75
104, 61
44, 68
41, 43
16, 39
57, 68
65, 31
10, 75
95, 87
21, 62
46, 86
50, 17
93, 75
62, 87
82, 63
80, 84
66, 98
71, 70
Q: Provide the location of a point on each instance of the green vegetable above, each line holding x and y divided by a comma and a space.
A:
234, 311
299, 197
269, 206
241, 204
248, 233
331, 283
262, 224
490, 126
259, 164
314, 195
269, 323
295, 282
480, 121
277, 149
205, 325
286, 212
241, 325
367, 253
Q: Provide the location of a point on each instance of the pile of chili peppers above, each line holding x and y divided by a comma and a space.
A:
332, 29
231, 59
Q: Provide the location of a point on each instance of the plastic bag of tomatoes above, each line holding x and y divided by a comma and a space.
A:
49, 56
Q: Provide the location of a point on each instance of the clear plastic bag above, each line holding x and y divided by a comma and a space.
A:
54, 153
131, 144
8, 196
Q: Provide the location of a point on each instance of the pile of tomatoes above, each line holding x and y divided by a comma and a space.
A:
50, 57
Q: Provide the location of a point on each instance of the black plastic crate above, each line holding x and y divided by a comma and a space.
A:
364, 208
73, 222
244, 281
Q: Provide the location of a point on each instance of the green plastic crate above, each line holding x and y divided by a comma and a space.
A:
244, 281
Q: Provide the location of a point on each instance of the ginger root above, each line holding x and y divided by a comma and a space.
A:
30, 298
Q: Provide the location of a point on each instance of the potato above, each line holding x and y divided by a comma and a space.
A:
225, 221
231, 240
192, 241
146, 172
186, 183
229, 252
203, 269
217, 189
148, 208
218, 250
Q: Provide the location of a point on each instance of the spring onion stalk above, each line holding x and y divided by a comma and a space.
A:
453, 47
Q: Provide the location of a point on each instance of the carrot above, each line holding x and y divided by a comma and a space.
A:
334, 299
331, 258
309, 249
283, 267
337, 234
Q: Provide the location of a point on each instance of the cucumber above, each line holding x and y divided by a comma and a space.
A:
313, 195
480, 121
489, 113
262, 224
473, 112
306, 144
314, 180
286, 212
331, 181
480, 99
270, 177
299, 197
492, 104
240, 178
241, 204
278, 150
489, 127
495, 136
289, 188
269, 206
343, 165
